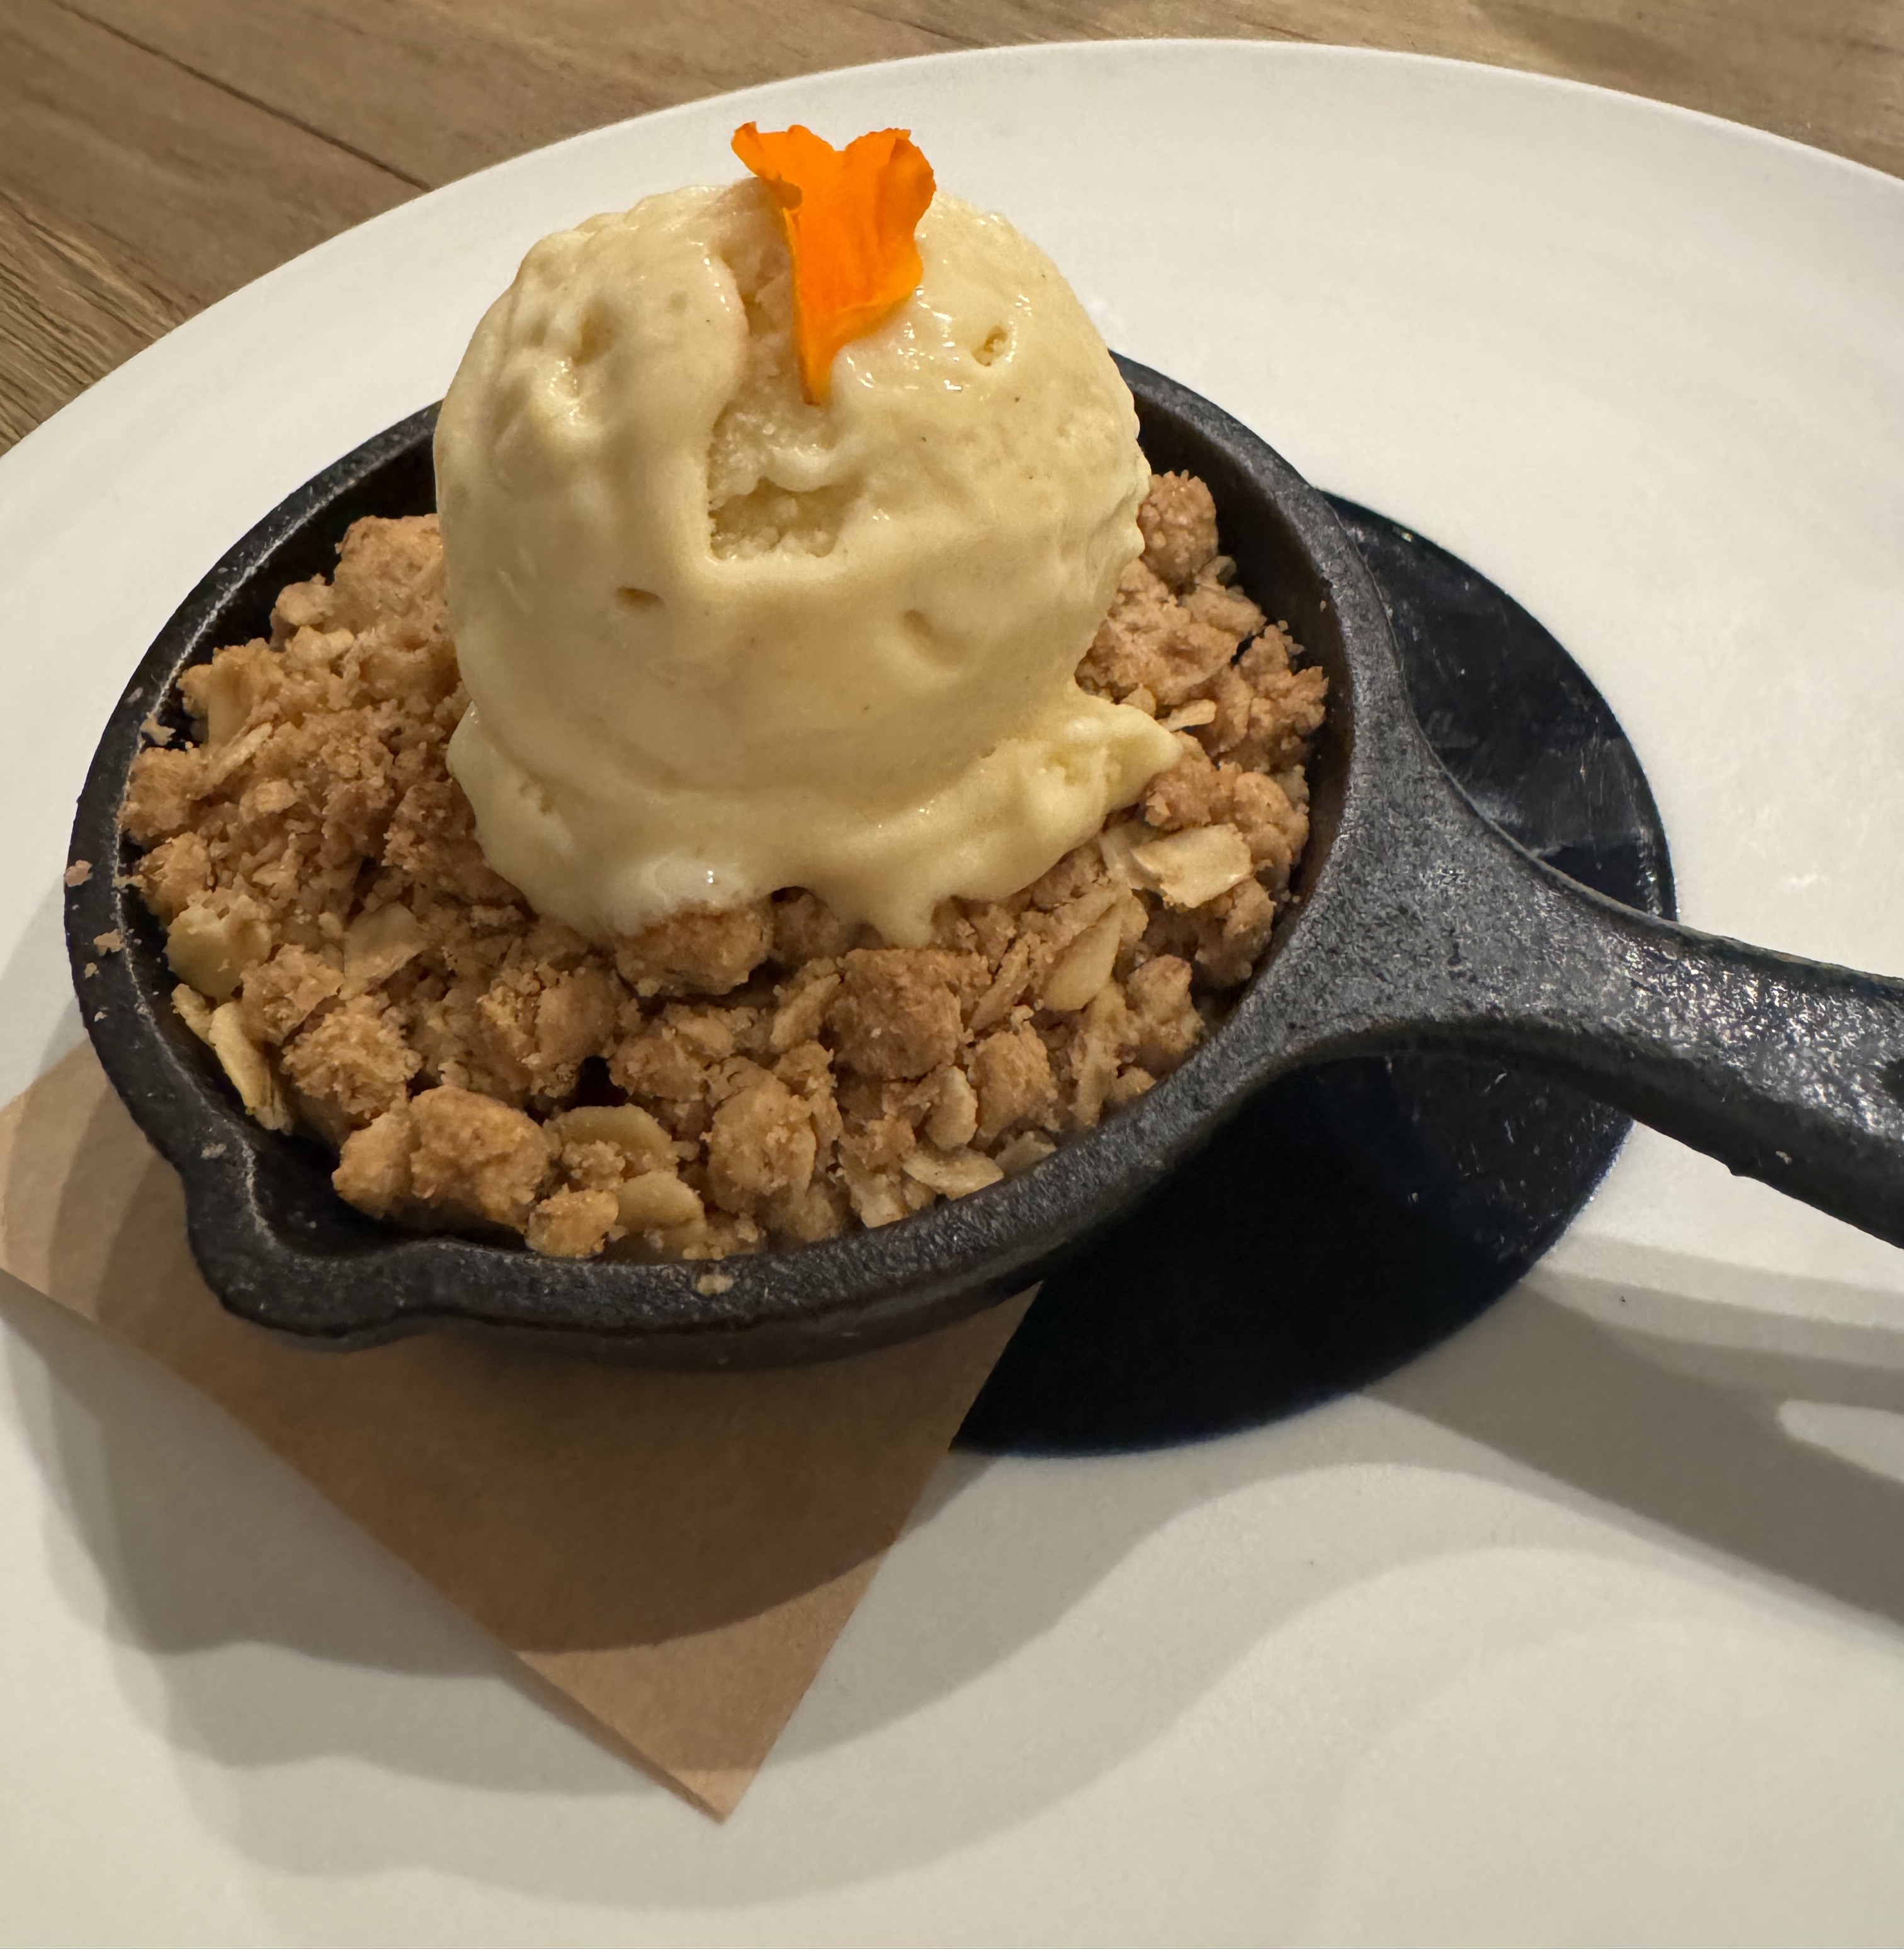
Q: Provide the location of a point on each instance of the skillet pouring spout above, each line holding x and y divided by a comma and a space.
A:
1432, 930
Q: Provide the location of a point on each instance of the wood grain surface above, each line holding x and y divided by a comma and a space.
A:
155, 154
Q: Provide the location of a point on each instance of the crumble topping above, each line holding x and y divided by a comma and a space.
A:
725, 1081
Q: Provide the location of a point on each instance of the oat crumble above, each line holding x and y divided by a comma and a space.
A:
725, 1081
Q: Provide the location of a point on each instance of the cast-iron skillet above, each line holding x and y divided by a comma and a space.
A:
1418, 925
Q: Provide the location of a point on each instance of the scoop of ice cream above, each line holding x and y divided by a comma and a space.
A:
719, 640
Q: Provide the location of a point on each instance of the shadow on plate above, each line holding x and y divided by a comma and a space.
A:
261, 1636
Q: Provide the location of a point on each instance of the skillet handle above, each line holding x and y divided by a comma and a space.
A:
1788, 1070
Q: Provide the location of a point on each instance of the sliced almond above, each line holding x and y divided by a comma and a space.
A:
1075, 916
211, 947
231, 690
376, 945
1132, 917
953, 1120
1119, 844
878, 1196
249, 1068
193, 1011
1086, 965
1026, 1149
956, 1175
656, 1201
1014, 970
629, 1128
224, 761
1191, 869
798, 1018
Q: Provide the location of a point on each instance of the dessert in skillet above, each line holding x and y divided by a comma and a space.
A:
809, 768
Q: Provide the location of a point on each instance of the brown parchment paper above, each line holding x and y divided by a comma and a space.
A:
677, 1552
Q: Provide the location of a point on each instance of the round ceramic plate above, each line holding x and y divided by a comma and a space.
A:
1588, 1625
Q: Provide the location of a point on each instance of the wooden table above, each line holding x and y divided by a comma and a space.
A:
154, 154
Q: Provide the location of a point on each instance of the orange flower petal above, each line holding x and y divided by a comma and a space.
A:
849, 215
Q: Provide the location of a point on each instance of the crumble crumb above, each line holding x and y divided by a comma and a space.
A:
111, 942
725, 1081
78, 873
574, 1224
1177, 521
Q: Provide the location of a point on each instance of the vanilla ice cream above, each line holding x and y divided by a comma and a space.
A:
719, 641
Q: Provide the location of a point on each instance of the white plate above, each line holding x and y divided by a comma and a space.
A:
1586, 1628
